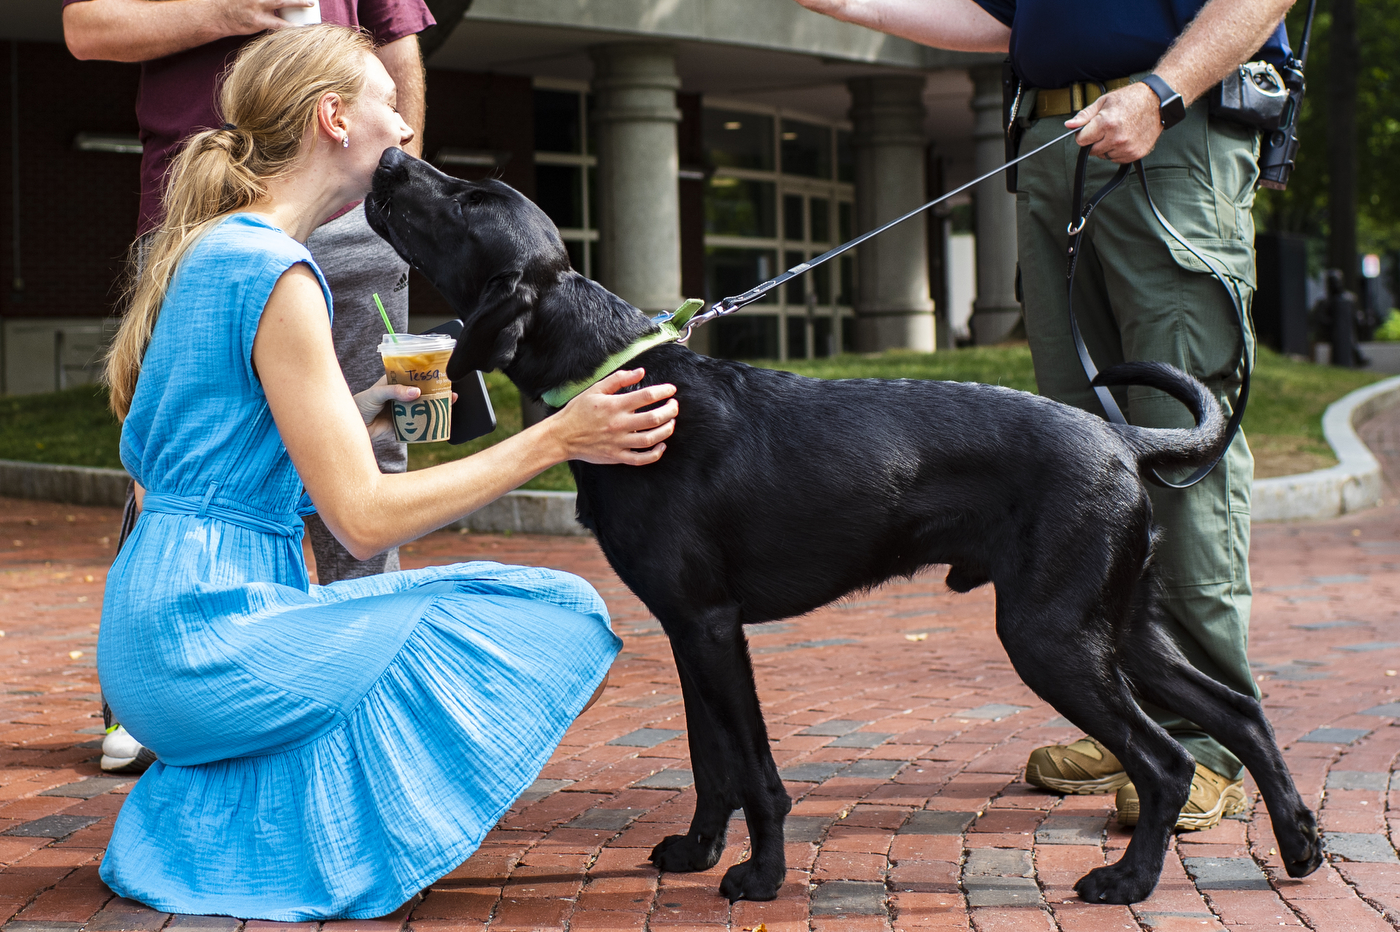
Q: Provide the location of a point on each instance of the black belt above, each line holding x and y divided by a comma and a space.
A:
1080, 217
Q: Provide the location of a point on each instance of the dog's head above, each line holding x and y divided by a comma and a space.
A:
490, 251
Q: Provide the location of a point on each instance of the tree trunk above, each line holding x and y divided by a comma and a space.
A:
1341, 142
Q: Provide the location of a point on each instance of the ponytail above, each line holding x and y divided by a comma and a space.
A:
270, 96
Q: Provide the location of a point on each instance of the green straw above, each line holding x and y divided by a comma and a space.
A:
384, 314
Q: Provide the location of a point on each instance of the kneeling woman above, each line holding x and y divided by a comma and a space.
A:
324, 751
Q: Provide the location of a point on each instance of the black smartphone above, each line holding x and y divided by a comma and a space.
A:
472, 414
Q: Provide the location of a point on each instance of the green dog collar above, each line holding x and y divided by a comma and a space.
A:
671, 329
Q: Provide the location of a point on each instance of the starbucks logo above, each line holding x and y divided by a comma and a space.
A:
425, 419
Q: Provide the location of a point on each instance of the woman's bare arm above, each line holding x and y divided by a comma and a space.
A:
369, 511
959, 25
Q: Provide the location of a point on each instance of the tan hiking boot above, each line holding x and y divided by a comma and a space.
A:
1082, 768
1212, 798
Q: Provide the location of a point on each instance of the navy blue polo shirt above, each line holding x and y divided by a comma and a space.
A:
1059, 42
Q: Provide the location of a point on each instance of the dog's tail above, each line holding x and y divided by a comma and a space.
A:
1168, 448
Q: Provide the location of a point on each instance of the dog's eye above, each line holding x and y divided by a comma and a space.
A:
471, 199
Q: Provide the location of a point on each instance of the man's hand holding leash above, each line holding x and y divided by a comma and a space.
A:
1124, 125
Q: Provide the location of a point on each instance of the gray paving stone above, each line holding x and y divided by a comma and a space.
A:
21, 925
1357, 780
999, 877
1071, 830
667, 780
861, 739
646, 737
1335, 735
1293, 672
848, 898
92, 730
1357, 846
1059, 721
767, 627
993, 711
937, 822
1369, 646
1379, 546
651, 701
816, 772
805, 828
1226, 874
1327, 625
1341, 579
1389, 710
803, 645
1157, 918
54, 826
833, 728
204, 924
876, 769
542, 788
87, 789
1002, 891
608, 820
998, 862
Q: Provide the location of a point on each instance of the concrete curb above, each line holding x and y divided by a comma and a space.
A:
76, 485
516, 512
526, 513
1352, 485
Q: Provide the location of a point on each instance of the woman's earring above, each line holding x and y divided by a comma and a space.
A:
345, 141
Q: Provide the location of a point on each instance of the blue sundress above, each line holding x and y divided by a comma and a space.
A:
325, 751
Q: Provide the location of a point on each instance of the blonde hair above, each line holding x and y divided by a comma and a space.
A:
270, 97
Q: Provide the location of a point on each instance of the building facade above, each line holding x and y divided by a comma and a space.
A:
683, 149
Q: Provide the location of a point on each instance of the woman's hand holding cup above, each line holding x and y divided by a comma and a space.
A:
602, 426
374, 403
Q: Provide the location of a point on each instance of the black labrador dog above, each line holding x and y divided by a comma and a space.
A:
779, 494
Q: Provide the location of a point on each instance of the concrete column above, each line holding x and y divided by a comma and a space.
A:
893, 307
996, 310
639, 214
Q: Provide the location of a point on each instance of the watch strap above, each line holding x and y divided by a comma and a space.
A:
1172, 109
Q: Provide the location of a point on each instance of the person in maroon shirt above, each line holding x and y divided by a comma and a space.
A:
184, 48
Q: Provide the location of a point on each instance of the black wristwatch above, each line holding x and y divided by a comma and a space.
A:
1173, 108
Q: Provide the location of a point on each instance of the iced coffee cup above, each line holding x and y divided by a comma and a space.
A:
420, 361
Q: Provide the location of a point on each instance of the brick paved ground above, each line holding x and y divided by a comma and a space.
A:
895, 717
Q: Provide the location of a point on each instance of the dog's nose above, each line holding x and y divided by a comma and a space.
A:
394, 158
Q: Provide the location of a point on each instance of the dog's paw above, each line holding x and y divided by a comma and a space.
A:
749, 880
684, 853
1115, 884
1300, 846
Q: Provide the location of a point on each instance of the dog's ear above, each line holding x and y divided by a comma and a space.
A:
492, 331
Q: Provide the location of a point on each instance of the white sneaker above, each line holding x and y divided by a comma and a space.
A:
122, 753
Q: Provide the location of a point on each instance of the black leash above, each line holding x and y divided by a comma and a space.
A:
731, 304
1080, 217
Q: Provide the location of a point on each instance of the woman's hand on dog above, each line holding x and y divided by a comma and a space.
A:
602, 426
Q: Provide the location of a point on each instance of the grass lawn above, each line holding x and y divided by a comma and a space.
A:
1283, 423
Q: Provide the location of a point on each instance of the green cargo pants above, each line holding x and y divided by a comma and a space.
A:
1139, 295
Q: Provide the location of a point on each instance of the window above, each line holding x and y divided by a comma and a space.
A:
782, 187
806, 149
738, 140
565, 184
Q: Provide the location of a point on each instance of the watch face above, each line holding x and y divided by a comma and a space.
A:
1173, 111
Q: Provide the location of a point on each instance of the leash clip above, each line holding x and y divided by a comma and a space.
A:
1074, 228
